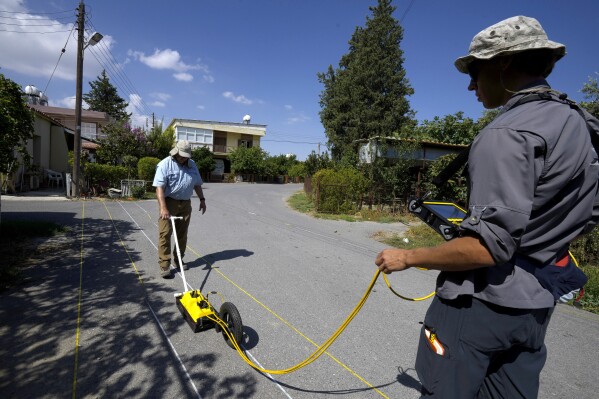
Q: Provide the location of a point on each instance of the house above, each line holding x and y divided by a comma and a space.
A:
388, 147
92, 123
48, 150
428, 151
53, 138
220, 137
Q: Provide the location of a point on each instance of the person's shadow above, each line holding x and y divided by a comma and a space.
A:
209, 260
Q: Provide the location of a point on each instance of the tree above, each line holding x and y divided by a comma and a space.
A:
591, 93
202, 156
248, 160
366, 96
103, 97
160, 142
315, 162
120, 141
451, 129
16, 124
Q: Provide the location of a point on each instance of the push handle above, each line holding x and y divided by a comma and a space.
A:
179, 250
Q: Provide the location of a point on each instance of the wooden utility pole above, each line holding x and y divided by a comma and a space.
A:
78, 101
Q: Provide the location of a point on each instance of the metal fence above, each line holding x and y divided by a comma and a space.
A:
126, 186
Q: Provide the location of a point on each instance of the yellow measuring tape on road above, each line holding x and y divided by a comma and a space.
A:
321, 349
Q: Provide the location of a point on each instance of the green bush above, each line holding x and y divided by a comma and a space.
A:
297, 170
146, 168
338, 191
590, 300
103, 177
138, 191
586, 248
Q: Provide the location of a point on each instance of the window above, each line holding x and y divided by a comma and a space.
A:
88, 130
193, 135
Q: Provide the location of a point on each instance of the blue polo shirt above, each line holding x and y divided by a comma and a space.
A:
177, 180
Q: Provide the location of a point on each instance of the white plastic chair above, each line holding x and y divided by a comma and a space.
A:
54, 177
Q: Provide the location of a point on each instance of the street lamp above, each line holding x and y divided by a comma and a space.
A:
81, 46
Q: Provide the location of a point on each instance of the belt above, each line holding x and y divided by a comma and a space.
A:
174, 199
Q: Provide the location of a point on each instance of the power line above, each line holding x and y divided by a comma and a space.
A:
406, 11
20, 31
31, 25
116, 72
38, 13
289, 141
59, 57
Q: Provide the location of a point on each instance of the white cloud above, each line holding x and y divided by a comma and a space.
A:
301, 118
158, 104
288, 107
238, 99
201, 107
183, 76
161, 96
171, 59
36, 55
134, 108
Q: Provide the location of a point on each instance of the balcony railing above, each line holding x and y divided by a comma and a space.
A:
220, 148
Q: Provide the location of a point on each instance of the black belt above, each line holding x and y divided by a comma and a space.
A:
174, 199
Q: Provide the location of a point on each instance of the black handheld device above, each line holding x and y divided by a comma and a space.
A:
444, 217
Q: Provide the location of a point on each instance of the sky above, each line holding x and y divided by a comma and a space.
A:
219, 60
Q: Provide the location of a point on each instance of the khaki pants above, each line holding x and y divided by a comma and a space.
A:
165, 230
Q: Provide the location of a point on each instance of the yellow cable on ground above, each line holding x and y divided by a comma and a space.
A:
321, 349
317, 353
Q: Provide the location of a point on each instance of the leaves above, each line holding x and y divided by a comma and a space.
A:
366, 95
202, 156
16, 124
103, 97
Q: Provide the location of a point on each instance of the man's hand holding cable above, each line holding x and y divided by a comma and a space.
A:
392, 260
462, 253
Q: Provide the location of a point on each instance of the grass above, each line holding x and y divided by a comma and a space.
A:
590, 300
419, 235
302, 203
17, 237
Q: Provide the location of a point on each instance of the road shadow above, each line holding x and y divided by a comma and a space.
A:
85, 281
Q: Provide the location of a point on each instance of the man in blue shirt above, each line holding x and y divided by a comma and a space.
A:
532, 176
176, 178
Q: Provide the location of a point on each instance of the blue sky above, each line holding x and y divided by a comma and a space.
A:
220, 60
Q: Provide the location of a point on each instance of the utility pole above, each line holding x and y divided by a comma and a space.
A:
78, 100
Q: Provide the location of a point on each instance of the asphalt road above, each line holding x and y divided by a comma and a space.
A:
95, 320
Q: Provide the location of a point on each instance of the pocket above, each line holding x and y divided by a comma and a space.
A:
432, 359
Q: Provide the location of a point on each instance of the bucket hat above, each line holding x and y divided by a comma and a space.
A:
182, 148
510, 36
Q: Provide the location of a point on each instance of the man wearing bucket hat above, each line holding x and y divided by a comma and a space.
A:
533, 188
176, 178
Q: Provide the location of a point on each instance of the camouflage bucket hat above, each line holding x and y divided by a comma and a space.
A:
510, 36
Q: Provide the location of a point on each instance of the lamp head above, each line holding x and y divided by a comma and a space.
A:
96, 37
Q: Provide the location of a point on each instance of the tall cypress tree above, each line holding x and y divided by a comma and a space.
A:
103, 97
366, 95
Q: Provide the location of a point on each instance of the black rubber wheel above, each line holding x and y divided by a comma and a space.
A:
230, 315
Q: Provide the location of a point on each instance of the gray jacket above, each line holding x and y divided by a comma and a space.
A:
533, 189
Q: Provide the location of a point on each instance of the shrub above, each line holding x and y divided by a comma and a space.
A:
586, 248
146, 168
338, 191
297, 170
103, 176
138, 191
